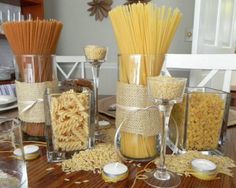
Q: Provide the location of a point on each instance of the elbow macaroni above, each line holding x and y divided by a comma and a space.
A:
204, 118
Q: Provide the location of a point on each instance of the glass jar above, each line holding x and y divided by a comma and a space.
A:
12, 169
33, 74
137, 125
33, 68
68, 118
200, 121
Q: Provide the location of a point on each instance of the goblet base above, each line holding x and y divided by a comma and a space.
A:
162, 179
99, 136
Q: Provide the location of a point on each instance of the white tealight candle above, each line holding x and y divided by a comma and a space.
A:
203, 165
31, 152
204, 169
114, 172
103, 123
115, 169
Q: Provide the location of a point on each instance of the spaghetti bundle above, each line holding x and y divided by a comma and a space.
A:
144, 29
33, 37
147, 30
38, 37
33, 42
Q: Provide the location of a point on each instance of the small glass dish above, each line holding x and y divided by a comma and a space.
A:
200, 121
68, 120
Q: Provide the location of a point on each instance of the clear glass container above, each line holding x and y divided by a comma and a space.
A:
68, 117
200, 121
12, 169
33, 68
135, 122
33, 74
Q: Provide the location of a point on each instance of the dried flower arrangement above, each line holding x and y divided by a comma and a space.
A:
136, 1
100, 8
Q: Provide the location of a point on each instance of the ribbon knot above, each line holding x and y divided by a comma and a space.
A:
29, 104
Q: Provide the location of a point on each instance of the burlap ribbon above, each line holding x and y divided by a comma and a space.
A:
143, 122
30, 100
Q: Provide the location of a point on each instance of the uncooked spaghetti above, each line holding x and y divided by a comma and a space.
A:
33, 36
144, 28
149, 30
33, 42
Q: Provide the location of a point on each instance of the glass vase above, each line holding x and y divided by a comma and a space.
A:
68, 120
33, 74
12, 167
201, 121
138, 134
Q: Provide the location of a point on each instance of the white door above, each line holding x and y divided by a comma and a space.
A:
213, 31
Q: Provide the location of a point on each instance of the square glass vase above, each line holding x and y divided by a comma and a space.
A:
68, 117
200, 121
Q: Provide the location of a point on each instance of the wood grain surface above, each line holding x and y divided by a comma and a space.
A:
40, 177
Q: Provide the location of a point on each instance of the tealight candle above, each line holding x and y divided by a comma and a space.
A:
103, 123
114, 172
204, 169
31, 152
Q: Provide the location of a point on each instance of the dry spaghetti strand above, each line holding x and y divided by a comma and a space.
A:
36, 37
142, 29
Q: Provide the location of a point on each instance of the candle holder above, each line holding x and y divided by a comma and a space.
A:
164, 93
96, 57
96, 64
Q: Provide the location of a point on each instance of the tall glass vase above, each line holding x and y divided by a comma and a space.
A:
138, 140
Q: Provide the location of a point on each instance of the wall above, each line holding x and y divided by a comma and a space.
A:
5, 54
80, 29
5, 51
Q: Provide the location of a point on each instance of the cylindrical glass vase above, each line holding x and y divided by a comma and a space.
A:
134, 120
34, 73
35, 68
12, 161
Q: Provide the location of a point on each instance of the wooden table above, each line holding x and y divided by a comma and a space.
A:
39, 177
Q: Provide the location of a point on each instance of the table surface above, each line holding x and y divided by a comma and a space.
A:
39, 176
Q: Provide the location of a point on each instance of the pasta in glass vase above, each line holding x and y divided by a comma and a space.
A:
68, 118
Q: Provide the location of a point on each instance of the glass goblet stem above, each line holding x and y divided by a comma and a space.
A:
95, 72
165, 110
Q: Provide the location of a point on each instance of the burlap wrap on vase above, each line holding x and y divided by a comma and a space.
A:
30, 100
143, 122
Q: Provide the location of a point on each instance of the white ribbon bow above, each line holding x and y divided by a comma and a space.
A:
30, 104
